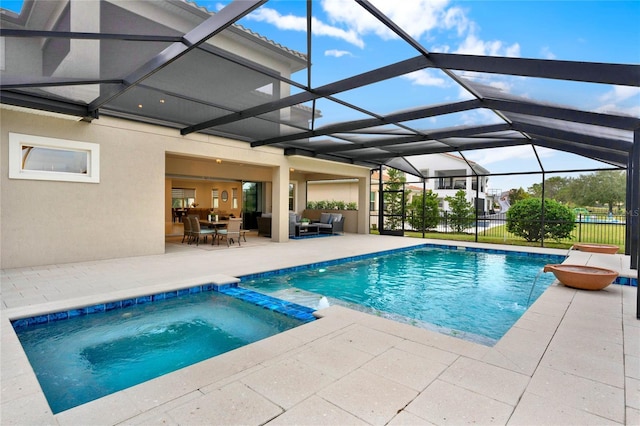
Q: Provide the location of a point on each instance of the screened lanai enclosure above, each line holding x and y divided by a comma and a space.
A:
191, 86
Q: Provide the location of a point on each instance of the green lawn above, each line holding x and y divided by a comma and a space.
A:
585, 233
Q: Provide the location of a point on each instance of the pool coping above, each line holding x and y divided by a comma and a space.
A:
223, 283
299, 312
160, 398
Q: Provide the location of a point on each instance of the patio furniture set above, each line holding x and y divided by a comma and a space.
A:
329, 223
228, 230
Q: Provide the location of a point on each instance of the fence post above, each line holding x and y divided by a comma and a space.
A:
579, 227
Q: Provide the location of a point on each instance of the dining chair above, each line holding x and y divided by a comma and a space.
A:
197, 232
187, 231
230, 232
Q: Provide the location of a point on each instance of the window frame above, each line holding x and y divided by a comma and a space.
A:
16, 171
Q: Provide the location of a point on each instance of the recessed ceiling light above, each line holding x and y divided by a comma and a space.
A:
139, 105
161, 101
218, 160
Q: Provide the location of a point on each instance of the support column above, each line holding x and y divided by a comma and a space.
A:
280, 200
364, 194
633, 206
633, 209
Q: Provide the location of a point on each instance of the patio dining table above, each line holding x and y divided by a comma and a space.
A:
214, 224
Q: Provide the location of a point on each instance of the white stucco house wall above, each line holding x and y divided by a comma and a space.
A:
121, 205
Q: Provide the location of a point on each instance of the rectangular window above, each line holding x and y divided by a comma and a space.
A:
42, 158
216, 200
372, 201
182, 197
234, 198
291, 197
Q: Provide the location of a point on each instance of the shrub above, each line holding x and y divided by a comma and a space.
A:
429, 213
331, 205
461, 216
524, 219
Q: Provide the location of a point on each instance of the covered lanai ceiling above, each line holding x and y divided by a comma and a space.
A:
180, 78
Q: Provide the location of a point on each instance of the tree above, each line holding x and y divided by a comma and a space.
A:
429, 213
461, 216
556, 188
524, 219
394, 200
602, 187
516, 195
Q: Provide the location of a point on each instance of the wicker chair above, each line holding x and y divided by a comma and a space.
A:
187, 231
197, 232
231, 232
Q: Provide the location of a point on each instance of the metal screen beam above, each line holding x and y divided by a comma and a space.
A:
385, 156
46, 104
547, 132
350, 126
418, 138
380, 74
191, 40
614, 158
566, 114
25, 82
590, 72
6, 32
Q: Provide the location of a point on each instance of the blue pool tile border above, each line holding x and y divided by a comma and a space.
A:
302, 313
294, 310
299, 312
551, 257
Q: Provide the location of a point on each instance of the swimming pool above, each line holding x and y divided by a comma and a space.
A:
88, 356
473, 294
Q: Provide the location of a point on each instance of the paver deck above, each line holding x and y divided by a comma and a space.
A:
573, 358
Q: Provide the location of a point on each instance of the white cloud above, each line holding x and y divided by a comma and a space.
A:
473, 45
348, 21
337, 53
479, 117
456, 18
620, 93
546, 53
299, 23
620, 100
509, 154
416, 17
425, 78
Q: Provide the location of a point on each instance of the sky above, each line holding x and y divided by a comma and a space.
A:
347, 42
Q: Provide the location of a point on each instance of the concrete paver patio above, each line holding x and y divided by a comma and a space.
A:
571, 359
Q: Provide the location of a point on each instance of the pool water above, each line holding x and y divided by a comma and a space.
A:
85, 358
476, 295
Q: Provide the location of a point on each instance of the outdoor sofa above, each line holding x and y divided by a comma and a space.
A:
330, 223
264, 224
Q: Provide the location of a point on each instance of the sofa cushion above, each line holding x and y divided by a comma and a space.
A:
325, 218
